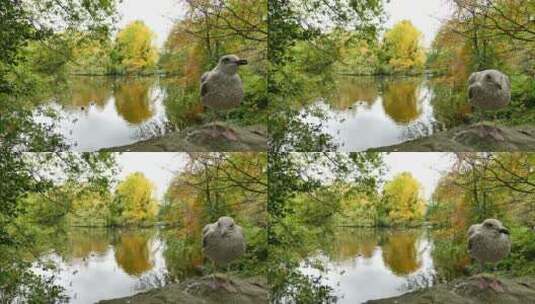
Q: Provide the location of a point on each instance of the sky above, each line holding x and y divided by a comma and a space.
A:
158, 15
424, 14
160, 168
426, 167
157, 167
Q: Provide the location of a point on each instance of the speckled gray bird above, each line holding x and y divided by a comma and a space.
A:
489, 242
489, 90
223, 241
222, 88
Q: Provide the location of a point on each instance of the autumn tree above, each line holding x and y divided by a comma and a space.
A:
494, 28
134, 200
403, 47
134, 47
404, 198
213, 185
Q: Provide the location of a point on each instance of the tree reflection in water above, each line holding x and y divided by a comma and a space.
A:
401, 101
133, 99
133, 252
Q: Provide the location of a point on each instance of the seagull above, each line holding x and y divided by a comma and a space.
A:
489, 90
222, 88
223, 241
489, 242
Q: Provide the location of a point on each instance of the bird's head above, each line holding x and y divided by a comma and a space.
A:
495, 226
229, 64
487, 84
225, 225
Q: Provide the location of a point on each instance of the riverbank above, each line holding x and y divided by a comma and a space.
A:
204, 138
468, 291
479, 137
221, 288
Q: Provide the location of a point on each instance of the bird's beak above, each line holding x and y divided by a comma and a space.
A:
242, 62
504, 230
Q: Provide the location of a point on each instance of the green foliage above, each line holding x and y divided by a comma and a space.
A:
521, 260
478, 187
303, 208
214, 185
478, 37
195, 45
28, 193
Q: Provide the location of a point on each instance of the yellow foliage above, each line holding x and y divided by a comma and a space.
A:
135, 48
404, 194
135, 198
404, 47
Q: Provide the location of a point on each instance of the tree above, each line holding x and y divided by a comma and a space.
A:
134, 200
33, 178
134, 47
404, 196
296, 179
293, 22
24, 22
403, 47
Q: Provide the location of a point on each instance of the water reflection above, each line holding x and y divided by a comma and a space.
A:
84, 92
365, 264
401, 101
400, 253
367, 112
96, 264
99, 112
132, 100
133, 253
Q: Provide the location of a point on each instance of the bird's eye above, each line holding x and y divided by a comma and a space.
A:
489, 77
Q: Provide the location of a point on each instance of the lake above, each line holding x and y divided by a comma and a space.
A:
364, 264
98, 263
99, 112
369, 112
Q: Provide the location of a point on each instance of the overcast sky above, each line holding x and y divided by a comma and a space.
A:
426, 167
158, 167
424, 14
158, 15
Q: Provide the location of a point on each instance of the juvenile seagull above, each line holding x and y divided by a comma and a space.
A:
223, 241
222, 88
489, 90
489, 242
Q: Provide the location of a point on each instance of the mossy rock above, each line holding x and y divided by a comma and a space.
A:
205, 290
213, 137
480, 137
470, 291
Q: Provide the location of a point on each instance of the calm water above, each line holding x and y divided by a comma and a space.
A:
367, 264
98, 112
368, 112
98, 264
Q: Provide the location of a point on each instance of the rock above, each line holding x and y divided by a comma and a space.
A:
468, 291
203, 291
478, 137
213, 137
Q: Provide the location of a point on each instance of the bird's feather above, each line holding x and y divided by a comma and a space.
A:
204, 88
204, 77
